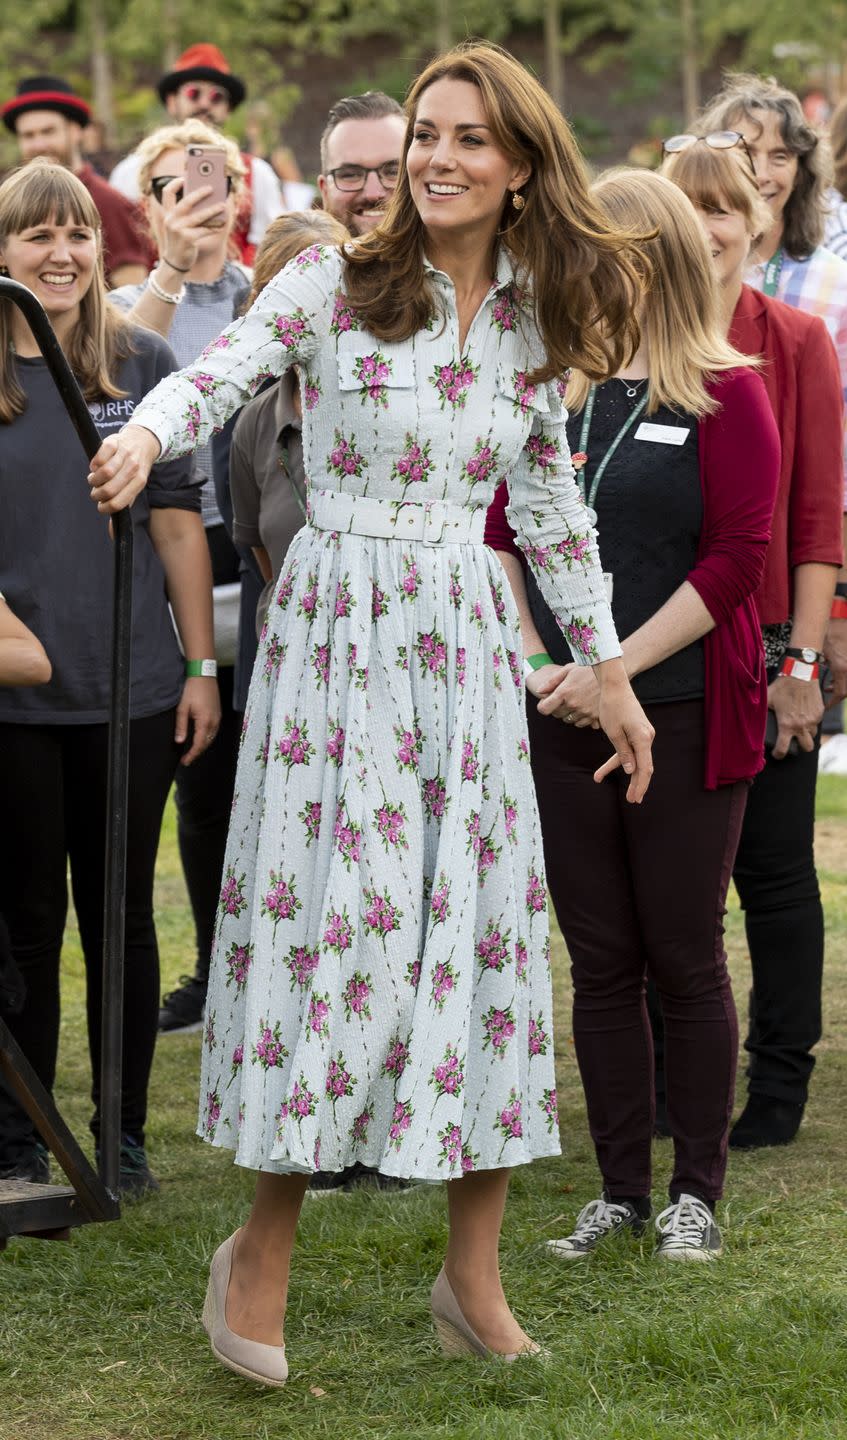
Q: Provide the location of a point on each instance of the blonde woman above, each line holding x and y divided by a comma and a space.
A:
679, 460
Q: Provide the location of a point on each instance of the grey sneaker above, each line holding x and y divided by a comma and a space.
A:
687, 1231
593, 1223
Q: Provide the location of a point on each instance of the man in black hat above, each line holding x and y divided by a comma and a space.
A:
48, 119
201, 86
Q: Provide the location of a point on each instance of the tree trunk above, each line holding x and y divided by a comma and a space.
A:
170, 34
554, 63
101, 71
690, 61
443, 26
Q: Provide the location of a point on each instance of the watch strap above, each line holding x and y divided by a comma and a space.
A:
807, 653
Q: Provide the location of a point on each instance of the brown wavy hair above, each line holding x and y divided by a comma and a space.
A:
37, 194
838, 144
285, 237
581, 274
680, 313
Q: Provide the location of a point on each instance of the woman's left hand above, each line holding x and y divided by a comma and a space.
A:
632, 735
198, 711
571, 695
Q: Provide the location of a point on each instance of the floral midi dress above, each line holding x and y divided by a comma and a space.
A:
380, 985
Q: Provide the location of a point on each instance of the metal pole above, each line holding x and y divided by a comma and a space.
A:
118, 753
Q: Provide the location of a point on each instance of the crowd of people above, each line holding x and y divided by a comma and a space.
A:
404, 465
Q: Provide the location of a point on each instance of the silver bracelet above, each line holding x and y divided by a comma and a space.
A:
161, 294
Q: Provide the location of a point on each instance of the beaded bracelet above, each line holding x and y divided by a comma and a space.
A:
161, 294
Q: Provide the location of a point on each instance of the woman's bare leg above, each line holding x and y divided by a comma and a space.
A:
475, 1206
258, 1287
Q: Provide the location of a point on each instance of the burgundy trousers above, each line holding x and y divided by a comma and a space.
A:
640, 890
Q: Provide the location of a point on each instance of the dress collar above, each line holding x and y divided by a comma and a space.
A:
504, 271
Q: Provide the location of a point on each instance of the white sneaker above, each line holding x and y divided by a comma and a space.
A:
687, 1231
597, 1220
832, 757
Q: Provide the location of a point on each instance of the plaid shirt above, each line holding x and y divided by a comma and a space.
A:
817, 285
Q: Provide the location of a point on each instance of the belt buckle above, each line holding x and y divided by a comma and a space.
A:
434, 522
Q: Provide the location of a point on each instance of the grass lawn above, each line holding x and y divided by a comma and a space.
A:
100, 1339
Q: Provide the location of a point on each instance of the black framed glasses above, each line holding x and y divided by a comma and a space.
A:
355, 177
716, 140
158, 183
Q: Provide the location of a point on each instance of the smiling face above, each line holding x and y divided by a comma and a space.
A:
776, 167
57, 263
730, 239
458, 175
199, 100
370, 144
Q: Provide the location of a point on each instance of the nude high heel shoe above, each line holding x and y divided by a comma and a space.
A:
264, 1363
455, 1335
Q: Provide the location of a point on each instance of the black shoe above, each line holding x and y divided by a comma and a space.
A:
33, 1165
331, 1182
687, 1231
363, 1178
135, 1178
765, 1121
182, 1009
595, 1222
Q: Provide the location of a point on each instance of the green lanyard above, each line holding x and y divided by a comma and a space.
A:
590, 497
773, 270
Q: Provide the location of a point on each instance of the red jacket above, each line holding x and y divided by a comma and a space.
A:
803, 382
739, 474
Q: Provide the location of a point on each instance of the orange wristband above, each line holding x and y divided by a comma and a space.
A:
839, 609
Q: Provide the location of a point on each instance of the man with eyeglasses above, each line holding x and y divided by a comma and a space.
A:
47, 119
360, 158
201, 86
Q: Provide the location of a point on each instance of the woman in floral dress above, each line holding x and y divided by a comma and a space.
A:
380, 987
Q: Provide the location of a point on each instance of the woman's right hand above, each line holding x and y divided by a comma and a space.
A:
187, 219
121, 466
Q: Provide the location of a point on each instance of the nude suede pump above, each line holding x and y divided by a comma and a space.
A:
266, 1364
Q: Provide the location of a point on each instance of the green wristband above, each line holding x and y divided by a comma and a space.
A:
535, 662
207, 669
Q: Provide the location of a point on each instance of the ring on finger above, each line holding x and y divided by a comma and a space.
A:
568, 719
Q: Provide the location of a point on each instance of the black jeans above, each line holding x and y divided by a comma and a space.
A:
53, 800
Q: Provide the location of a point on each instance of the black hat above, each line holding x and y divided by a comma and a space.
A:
45, 92
202, 62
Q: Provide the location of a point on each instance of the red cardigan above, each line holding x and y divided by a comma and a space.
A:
739, 473
802, 378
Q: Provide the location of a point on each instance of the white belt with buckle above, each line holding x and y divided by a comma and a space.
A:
433, 522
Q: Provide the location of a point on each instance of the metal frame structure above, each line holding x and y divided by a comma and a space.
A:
52, 1209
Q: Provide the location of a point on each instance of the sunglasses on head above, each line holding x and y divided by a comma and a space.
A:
158, 183
717, 140
197, 92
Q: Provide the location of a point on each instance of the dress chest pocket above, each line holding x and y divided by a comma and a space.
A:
524, 399
372, 368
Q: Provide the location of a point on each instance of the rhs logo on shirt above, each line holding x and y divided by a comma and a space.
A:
111, 414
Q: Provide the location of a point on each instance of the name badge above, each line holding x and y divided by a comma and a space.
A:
662, 434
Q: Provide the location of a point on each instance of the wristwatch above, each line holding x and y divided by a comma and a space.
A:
796, 669
806, 654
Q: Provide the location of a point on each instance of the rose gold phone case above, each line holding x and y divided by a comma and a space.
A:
206, 165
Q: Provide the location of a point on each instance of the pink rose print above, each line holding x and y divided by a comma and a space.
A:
439, 904
492, 950
347, 837
344, 459
469, 765
339, 1081
582, 637
549, 1107
307, 258
338, 935
410, 584
542, 452
286, 589
435, 798
236, 1062
562, 384
504, 311
299, 1105
311, 392
264, 749
523, 749
521, 960
508, 1122
538, 1038
358, 673
409, 747
258, 380
317, 1020
443, 983
536, 895
477, 616
343, 316
239, 958
310, 817
413, 973
280, 902
455, 1152
293, 747
269, 1051
359, 1128
460, 667
515, 670
335, 744
452, 382
483, 462
448, 1075
455, 590
397, 1058
432, 654
540, 557
575, 549
192, 422
232, 899
499, 1027
402, 658
487, 853
498, 601
344, 601
310, 601
220, 342
381, 916
510, 815
390, 822
320, 663
289, 330
524, 392
379, 604
274, 655
373, 372
414, 464
401, 1119
206, 384
302, 963
212, 1113
357, 993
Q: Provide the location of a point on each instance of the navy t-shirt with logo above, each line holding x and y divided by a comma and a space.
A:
56, 557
